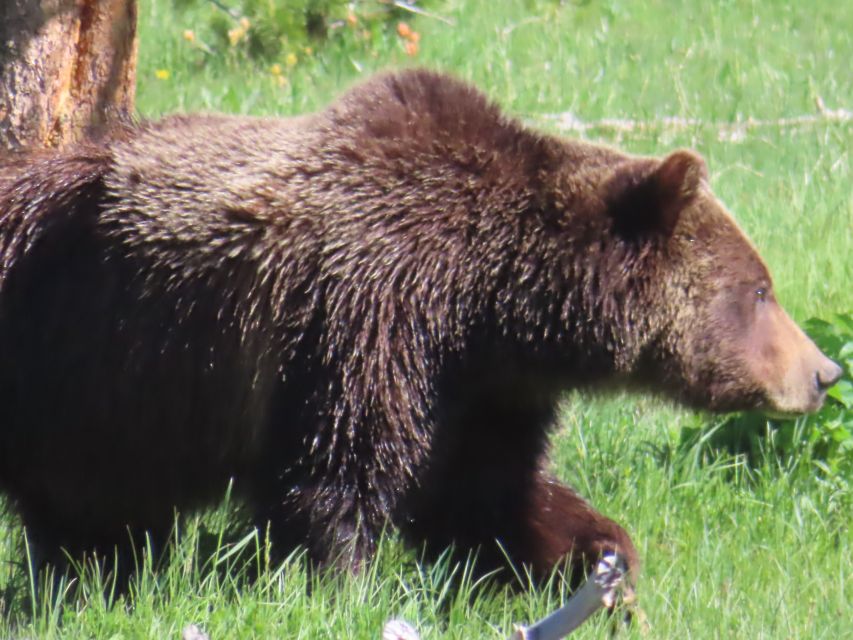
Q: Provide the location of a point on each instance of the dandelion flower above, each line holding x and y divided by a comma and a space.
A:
162, 74
404, 30
189, 35
290, 59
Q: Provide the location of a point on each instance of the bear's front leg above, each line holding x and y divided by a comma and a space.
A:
484, 491
337, 527
502, 514
558, 524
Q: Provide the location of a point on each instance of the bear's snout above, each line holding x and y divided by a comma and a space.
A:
814, 374
827, 375
794, 373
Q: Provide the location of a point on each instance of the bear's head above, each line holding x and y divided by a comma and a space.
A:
720, 338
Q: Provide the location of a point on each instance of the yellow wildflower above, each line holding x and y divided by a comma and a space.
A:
235, 35
189, 35
290, 59
276, 69
162, 74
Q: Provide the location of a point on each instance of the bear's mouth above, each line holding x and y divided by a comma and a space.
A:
812, 404
776, 414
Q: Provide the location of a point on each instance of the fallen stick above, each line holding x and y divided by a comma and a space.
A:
598, 591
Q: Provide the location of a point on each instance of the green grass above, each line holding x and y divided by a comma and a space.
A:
729, 550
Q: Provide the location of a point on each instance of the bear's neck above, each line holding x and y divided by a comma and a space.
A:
569, 293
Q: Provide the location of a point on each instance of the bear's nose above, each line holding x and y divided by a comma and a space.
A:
827, 375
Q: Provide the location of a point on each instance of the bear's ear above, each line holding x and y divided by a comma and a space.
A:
649, 202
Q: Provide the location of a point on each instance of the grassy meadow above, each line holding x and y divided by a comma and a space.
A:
732, 547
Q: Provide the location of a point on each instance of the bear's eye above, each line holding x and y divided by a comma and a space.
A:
761, 294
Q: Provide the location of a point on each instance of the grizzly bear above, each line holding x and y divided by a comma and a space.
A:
364, 317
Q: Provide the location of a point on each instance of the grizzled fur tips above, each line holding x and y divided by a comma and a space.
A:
364, 316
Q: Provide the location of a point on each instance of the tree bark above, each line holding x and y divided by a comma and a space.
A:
65, 66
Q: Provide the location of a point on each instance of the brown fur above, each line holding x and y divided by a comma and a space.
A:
365, 316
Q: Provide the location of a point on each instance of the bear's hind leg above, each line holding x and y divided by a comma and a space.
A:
59, 559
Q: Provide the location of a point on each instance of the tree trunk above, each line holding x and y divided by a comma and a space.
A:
65, 66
